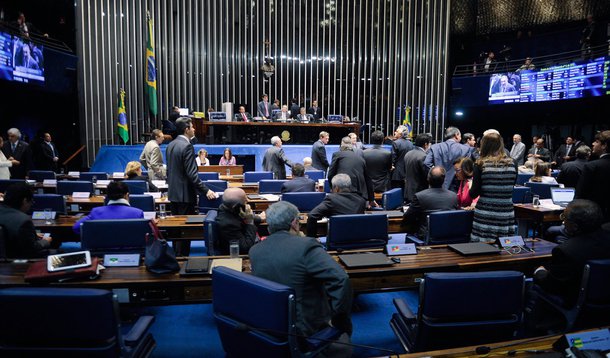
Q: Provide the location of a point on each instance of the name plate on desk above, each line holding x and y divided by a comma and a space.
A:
150, 215
511, 241
156, 195
81, 195
401, 249
118, 175
39, 215
103, 182
49, 182
74, 174
122, 260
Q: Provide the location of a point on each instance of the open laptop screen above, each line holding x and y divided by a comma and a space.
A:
562, 195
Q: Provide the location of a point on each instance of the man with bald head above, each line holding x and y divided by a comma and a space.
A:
236, 221
538, 151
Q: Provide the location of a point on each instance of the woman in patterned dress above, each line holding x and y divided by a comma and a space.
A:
493, 181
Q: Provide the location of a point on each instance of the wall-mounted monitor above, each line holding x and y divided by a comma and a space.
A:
21, 60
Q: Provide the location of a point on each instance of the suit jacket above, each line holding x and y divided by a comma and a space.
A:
318, 156
278, 116
299, 184
20, 239
444, 154
182, 180
334, 204
109, 212
517, 152
378, 164
316, 112
239, 118
264, 109
294, 110
350, 163
417, 173
322, 288
424, 203
232, 227
400, 147
46, 156
545, 154
152, 159
562, 277
593, 184
304, 117
23, 154
275, 161
563, 152
570, 172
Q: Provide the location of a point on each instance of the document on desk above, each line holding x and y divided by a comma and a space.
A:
233, 264
270, 197
548, 204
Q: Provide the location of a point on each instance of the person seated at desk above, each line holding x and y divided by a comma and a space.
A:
202, 158
341, 201
428, 201
283, 115
298, 183
542, 174
20, 237
529, 165
303, 117
308, 164
570, 172
133, 171
242, 115
236, 221
227, 158
117, 207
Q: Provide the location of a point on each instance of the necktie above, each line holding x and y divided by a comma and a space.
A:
266, 110
568, 149
245, 118
14, 145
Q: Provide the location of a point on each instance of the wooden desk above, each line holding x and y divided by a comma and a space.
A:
527, 213
85, 205
137, 286
222, 169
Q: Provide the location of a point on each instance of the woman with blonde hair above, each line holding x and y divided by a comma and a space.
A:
494, 177
542, 174
133, 171
202, 158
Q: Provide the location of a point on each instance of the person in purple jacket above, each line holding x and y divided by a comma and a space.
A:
116, 208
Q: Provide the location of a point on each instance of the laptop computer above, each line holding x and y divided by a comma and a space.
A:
562, 196
474, 248
370, 259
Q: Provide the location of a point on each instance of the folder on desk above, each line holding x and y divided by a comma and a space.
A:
369, 259
474, 248
234, 264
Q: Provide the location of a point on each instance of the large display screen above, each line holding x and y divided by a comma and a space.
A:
573, 80
21, 61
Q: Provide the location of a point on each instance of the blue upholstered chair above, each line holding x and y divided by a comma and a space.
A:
216, 185
2, 242
592, 307
521, 195
5, 183
210, 232
541, 189
68, 322
88, 176
357, 231
41, 175
305, 202
326, 186
67, 187
208, 176
523, 178
264, 329
446, 227
392, 199
142, 202
450, 312
315, 175
270, 186
136, 186
206, 204
255, 177
111, 236
55, 202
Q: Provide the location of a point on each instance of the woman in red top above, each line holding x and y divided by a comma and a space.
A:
464, 168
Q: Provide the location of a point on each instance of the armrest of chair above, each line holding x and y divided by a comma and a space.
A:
322, 337
413, 239
404, 310
138, 330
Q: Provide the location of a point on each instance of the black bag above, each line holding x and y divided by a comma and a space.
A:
160, 257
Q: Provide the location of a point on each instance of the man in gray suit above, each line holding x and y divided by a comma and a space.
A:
275, 159
263, 107
417, 171
318, 152
517, 152
182, 180
151, 157
322, 288
444, 154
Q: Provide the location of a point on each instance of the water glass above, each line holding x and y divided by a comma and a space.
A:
234, 249
228, 172
48, 215
94, 179
162, 214
536, 200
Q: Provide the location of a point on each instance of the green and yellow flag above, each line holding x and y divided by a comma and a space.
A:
407, 121
151, 69
122, 124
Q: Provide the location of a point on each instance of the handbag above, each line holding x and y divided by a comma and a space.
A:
159, 256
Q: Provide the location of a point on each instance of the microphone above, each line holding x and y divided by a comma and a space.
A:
483, 350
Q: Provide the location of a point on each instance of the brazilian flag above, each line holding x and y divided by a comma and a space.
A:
151, 69
122, 124
407, 121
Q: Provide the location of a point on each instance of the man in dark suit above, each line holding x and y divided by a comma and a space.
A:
341, 201
298, 183
263, 107
242, 115
48, 154
378, 163
318, 152
417, 172
427, 201
322, 288
294, 108
182, 179
593, 184
303, 117
17, 150
538, 151
570, 172
347, 162
21, 239
117, 207
315, 111
275, 159
236, 221
566, 152
400, 147
444, 154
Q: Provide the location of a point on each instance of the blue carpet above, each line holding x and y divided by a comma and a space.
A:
189, 330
